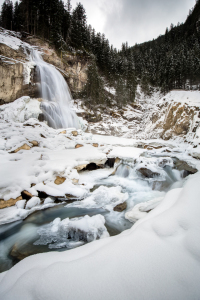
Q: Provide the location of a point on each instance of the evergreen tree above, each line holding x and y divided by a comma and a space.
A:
78, 30
7, 15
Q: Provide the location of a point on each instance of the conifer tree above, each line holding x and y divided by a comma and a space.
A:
7, 15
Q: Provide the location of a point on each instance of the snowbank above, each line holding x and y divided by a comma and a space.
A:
11, 39
157, 259
140, 210
192, 98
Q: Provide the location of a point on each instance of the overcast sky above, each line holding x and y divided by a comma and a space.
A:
134, 21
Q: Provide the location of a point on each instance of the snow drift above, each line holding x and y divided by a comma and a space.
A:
158, 258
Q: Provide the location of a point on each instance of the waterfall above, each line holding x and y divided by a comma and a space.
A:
55, 94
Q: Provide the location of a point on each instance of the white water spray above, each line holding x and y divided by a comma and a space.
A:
55, 94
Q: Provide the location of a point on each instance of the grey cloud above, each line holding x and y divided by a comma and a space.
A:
142, 20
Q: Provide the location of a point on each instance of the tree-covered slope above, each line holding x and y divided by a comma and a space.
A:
170, 61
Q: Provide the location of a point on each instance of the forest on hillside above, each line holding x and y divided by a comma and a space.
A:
172, 61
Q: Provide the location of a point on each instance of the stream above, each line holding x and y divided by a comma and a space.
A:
36, 234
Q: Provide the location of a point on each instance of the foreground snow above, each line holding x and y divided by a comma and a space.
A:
157, 259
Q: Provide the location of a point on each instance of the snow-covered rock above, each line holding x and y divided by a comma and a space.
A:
34, 201
140, 210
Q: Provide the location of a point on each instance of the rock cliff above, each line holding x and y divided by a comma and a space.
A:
18, 76
13, 83
72, 66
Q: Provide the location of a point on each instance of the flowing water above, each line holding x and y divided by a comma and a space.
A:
19, 239
55, 94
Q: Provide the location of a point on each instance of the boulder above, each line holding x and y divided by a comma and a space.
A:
148, 173
183, 166
95, 145
120, 207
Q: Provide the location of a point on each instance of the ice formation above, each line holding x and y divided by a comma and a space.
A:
103, 197
71, 232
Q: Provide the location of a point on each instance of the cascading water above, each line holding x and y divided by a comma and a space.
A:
55, 94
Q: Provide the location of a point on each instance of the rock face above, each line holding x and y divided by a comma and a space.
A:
72, 67
178, 120
12, 78
8, 203
15, 82
174, 115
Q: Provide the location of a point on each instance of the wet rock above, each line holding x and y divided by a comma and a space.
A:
120, 207
59, 180
160, 185
91, 167
148, 173
41, 118
183, 166
20, 252
110, 162
8, 203
78, 146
